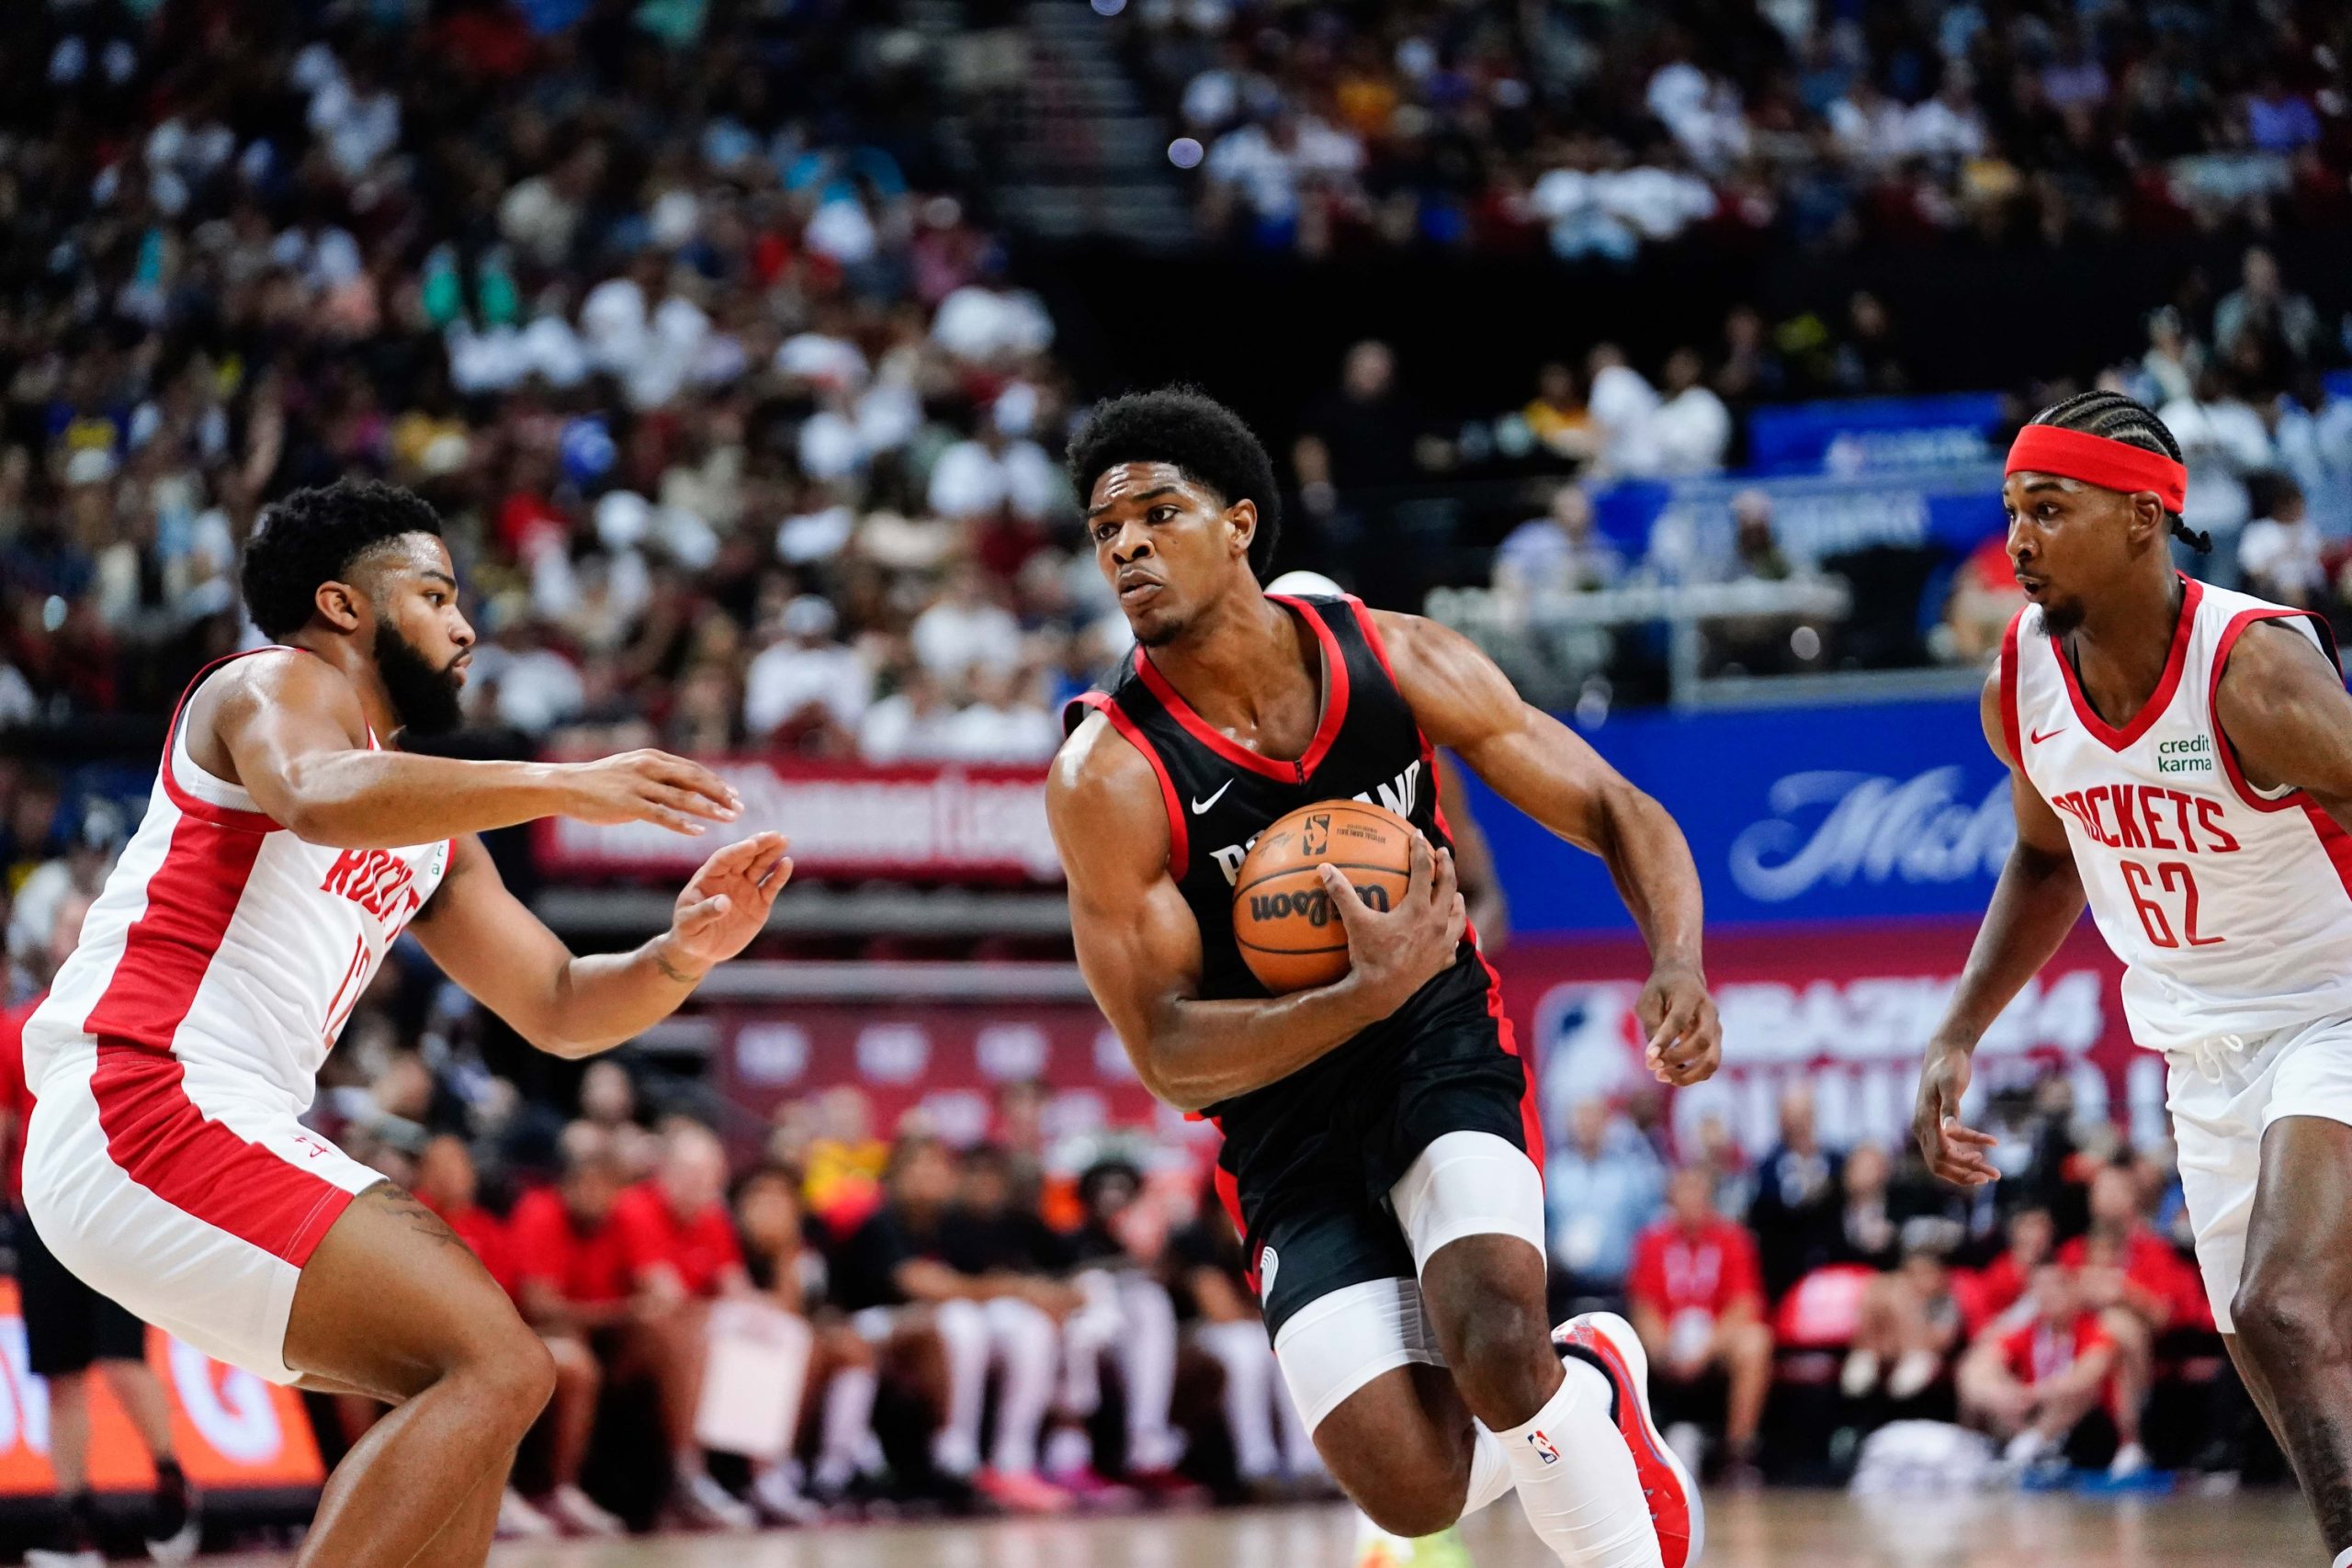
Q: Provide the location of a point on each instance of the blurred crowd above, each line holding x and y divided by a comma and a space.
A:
741, 435
1595, 130
1817, 1296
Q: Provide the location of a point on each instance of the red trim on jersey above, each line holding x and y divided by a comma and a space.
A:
1327, 729
195, 806
1371, 635
2230, 634
1228, 1193
1179, 844
1530, 1116
165, 1143
2333, 838
2010, 690
2116, 739
191, 898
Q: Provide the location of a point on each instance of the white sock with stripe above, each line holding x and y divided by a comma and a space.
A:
1576, 1479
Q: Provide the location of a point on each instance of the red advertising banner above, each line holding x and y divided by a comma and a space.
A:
919, 822
951, 1059
232, 1428
1845, 1010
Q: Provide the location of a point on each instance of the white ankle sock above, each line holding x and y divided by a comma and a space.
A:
1576, 1479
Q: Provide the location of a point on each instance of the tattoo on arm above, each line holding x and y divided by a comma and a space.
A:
661, 962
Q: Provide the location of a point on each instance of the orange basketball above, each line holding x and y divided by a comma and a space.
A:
1290, 935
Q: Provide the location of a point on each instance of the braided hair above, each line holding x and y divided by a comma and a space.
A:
2131, 422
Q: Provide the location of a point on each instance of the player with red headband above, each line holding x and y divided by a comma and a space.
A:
2180, 757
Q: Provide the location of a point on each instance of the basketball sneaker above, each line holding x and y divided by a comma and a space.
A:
1609, 1342
582, 1514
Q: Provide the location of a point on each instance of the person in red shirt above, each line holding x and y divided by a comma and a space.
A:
677, 1240
2031, 1383
2142, 1290
1697, 1300
70, 1328
2001, 1284
447, 1183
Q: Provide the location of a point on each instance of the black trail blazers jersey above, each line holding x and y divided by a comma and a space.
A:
1219, 796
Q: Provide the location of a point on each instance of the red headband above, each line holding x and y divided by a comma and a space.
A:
2097, 460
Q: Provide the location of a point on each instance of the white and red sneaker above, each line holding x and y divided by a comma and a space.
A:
1609, 1342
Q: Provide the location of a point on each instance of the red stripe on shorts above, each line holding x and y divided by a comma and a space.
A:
165, 1143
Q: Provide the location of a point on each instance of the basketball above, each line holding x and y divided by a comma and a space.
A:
1289, 934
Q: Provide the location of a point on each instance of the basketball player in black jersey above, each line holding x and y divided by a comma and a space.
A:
1381, 1153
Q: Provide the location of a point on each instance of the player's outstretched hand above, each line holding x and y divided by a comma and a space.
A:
1686, 1038
648, 786
1397, 952
1957, 1152
726, 903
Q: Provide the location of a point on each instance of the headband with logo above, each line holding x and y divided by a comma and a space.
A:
2097, 460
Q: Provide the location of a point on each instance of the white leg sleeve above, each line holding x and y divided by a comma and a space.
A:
1577, 1478
1468, 1184
1024, 1343
1335, 1344
1146, 1352
1301, 1459
1240, 1348
963, 1339
848, 1435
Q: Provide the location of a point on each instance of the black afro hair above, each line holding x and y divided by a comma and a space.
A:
1205, 440
314, 535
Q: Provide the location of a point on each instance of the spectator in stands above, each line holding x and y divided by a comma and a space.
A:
1602, 1186
914, 724
1006, 722
1698, 1303
571, 1280
2032, 1241
1558, 418
2031, 1383
1911, 1319
1209, 1281
967, 629
2173, 362
2141, 1288
1984, 598
2262, 311
806, 691
1795, 1211
1622, 404
1691, 429
787, 1275
2281, 552
678, 1241
1868, 1232
917, 1279
1016, 1318
1127, 1319
1560, 552
2223, 439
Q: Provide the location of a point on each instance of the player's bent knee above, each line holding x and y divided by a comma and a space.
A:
1410, 1511
2285, 1321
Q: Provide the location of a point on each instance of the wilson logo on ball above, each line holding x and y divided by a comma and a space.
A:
1315, 905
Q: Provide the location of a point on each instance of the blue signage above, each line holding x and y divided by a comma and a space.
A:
1794, 815
1854, 435
1672, 522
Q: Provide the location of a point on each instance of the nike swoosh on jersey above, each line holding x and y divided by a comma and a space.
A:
1201, 806
2038, 740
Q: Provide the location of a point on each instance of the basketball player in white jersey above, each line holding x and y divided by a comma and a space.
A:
288, 841
2181, 757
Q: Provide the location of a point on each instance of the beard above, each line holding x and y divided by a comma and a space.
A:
424, 698
2062, 617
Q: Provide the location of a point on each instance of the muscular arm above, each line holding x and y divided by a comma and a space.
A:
1139, 947
289, 730
2037, 902
1463, 702
2288, 717
502, 955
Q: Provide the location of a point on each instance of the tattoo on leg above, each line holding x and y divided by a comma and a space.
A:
406, 1205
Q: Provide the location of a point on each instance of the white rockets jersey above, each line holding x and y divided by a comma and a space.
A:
2231, 910
225, 940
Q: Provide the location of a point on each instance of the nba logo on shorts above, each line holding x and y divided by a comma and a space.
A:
1543, 1449
1267, 1264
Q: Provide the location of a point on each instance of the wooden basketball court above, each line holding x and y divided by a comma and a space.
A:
1773, 1530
